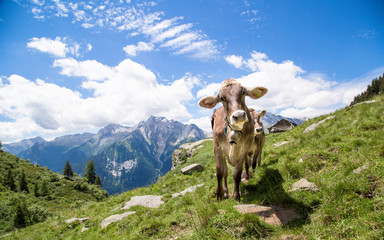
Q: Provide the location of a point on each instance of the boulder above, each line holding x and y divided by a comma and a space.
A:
282, 126
315, 125
279, 144
115, 218
361, 169
185, 151
80, 220
271, 215
145, 201
304, 185
192, 168
190, 189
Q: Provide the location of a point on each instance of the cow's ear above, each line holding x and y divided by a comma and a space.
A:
256, 92
209, 102
262, 113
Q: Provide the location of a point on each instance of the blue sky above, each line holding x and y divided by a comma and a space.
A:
75, 66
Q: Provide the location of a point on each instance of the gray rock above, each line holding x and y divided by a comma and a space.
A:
191, 168
315, 125
81, 220
279, 144
145, 201
185, 151
84, 229
361, 169
115, 218
303, 185
190, 189
271, 215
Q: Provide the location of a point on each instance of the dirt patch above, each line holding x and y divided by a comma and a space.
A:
273, 215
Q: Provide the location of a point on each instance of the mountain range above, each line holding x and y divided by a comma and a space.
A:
125, 157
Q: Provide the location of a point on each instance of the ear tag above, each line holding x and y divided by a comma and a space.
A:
225, 130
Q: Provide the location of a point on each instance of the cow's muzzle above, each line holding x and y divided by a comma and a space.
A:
238, 118
258, 130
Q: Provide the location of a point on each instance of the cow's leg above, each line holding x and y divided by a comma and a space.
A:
220, 173
225, 187
255, 159
259, 157
247, 163
237, 179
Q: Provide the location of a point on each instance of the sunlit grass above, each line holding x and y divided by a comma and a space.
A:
348, 205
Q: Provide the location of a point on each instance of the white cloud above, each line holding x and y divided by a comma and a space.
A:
89, 47
140, 47
203, 123
209, 90
55, 47
172, 34
236, 61
124, 94
291, 91
58, 47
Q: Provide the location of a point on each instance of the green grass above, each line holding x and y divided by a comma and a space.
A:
347, 206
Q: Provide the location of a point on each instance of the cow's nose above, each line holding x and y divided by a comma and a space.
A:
239, 116
259, 130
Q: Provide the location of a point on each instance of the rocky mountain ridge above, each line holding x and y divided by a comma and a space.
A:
125, 157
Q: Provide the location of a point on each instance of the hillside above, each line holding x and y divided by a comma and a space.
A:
343, 156
41, 195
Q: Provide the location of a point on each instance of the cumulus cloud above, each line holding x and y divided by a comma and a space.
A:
140, 47
203, 123
124, 94
54, 47
58, 47
291, 91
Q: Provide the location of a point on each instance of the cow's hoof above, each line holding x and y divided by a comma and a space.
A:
236, 196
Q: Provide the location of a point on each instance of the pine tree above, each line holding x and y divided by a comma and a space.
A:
23, 186
44, 188
98, 181
10, 182
90, 172
36, 190
67, 171
19, 219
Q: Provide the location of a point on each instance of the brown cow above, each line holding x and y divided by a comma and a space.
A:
259, 141
233, 131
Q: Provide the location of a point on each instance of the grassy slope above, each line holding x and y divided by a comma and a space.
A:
348, 206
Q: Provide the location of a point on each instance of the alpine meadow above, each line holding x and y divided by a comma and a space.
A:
342, 156
179, 119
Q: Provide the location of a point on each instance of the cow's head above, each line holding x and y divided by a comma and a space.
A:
258, 124
232, 96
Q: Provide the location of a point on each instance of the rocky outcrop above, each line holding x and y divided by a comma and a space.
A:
145, 201
279, 144
282, 126
361, 169
190, 189
115, 218
304, 185
192, 168
80, 220
315, 125
186, 151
